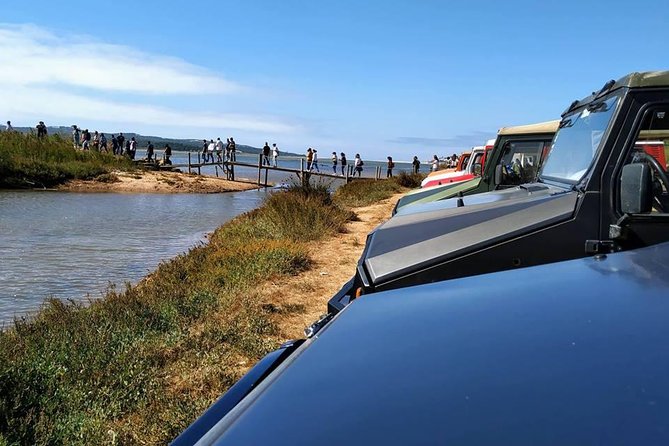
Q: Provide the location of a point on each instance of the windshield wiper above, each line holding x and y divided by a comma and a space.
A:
565, 123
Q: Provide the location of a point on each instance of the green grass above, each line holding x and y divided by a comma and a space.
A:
139, 365
27, 161
366, 191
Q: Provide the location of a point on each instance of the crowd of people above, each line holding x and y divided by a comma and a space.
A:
117, 145
312, 162
219, 152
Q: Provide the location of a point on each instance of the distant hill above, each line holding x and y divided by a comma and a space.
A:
186, 145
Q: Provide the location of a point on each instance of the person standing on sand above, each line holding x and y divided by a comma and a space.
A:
415, 164
391, 165
86, 136
149, 152
75, 136
275, 153
167, 154
96, 141
358, 163
265, 154
121, 141
114, 143
8, 127
334, 163
435, 163
310, 158
103, 142
127, 149
133, 148
41, 129
343, 163
219, 150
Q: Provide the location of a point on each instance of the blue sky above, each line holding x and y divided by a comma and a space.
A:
398, 78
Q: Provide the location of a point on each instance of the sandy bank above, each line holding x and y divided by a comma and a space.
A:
156, 182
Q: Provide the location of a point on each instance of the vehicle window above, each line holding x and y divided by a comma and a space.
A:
578, 141
477, 160
463, 162
651, 146
521, 160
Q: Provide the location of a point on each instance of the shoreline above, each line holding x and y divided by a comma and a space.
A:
156, 182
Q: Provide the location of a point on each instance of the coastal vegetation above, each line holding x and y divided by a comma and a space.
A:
139, 365
27, 161
364, 192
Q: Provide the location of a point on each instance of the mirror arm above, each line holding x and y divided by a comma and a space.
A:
617, 230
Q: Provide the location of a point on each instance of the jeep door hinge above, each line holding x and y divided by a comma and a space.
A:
599, 247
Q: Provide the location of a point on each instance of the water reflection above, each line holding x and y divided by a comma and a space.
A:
68, 244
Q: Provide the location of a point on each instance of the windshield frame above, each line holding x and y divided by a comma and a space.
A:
566, 182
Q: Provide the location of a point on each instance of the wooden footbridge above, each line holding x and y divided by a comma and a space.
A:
227, 169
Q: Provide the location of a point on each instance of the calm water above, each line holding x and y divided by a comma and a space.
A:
68, 244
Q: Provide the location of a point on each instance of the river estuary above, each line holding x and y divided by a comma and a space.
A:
70, 245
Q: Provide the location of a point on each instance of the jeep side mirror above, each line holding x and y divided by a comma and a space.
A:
477, 169
498, 175
636, 189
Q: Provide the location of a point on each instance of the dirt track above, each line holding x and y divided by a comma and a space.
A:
334, 262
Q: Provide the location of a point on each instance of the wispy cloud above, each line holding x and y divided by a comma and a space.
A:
33, 56
76, 79
467, 140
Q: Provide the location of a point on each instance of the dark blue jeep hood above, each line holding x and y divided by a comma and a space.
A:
566, 353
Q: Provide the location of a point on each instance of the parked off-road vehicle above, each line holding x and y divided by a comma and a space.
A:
598, 191
571, 353
515, 159
471, 170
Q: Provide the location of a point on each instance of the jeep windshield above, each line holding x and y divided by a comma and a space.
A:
578, 141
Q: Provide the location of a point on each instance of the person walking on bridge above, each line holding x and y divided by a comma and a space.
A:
219, 150
344, 166
310, 158
233, 149
334, 163
275, 154
265, 154
314, 162
210, 151
358, 163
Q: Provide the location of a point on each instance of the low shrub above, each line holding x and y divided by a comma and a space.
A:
410, 180
29, 161
365, 192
